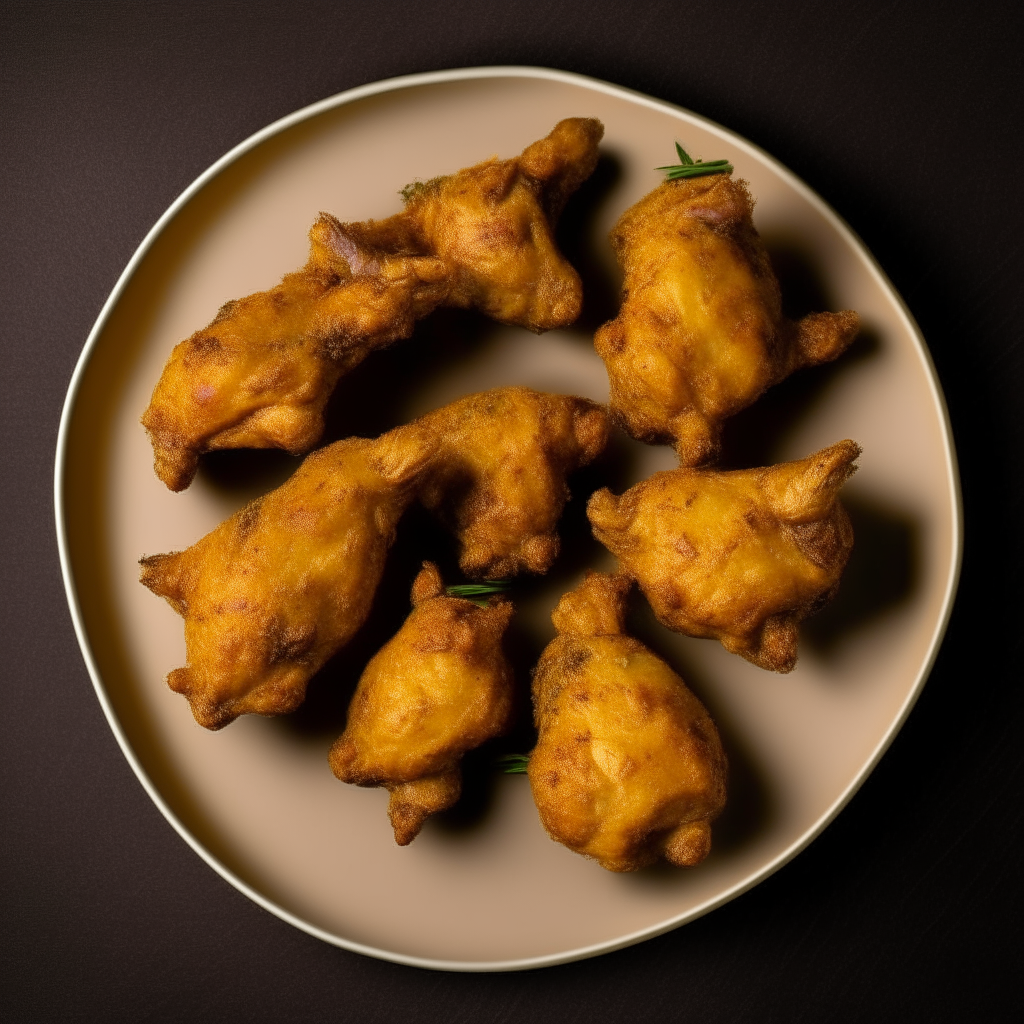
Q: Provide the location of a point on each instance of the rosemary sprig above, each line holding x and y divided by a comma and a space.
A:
513, 764
475, 591
418, 188
690, 168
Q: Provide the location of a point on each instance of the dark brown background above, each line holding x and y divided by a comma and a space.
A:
906, 118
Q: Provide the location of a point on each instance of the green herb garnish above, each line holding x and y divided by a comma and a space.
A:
412, 189
513, 764
418, 188
474, 591
690, 168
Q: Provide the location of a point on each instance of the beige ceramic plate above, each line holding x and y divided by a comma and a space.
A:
486, 889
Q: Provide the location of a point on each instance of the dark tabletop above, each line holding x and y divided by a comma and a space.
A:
907, 118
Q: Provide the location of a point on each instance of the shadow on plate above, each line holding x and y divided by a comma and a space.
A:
246, 473
798, 271
587, 248
755, 436
884, 572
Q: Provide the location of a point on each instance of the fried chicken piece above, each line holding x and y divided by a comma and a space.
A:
439, 687
740, 556
701, 334
628, 766
499, 478
278, 588
260, 374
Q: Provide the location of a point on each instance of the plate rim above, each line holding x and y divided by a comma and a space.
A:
594, 84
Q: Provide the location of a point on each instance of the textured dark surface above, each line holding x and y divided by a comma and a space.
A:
907, 118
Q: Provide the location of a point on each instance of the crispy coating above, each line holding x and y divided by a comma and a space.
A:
439, 687
275, 590
701, 334
628, 766
739, 556
499, 477
260, 374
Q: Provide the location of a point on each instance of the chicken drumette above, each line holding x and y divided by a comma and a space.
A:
739, 556
275, 590
439, 687
498, 479
260, 374
628, 766
701, 334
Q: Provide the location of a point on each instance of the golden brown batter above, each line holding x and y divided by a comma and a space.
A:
439, 687
628, 766
701, 334
260, 374
499, 476
740, 556
274, 591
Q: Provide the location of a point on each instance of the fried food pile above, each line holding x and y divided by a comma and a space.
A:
499, 478
628, 767
701, 334
439, 687
260, 374
739, 556
282, 585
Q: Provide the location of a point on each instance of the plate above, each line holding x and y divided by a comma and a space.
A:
484, 888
